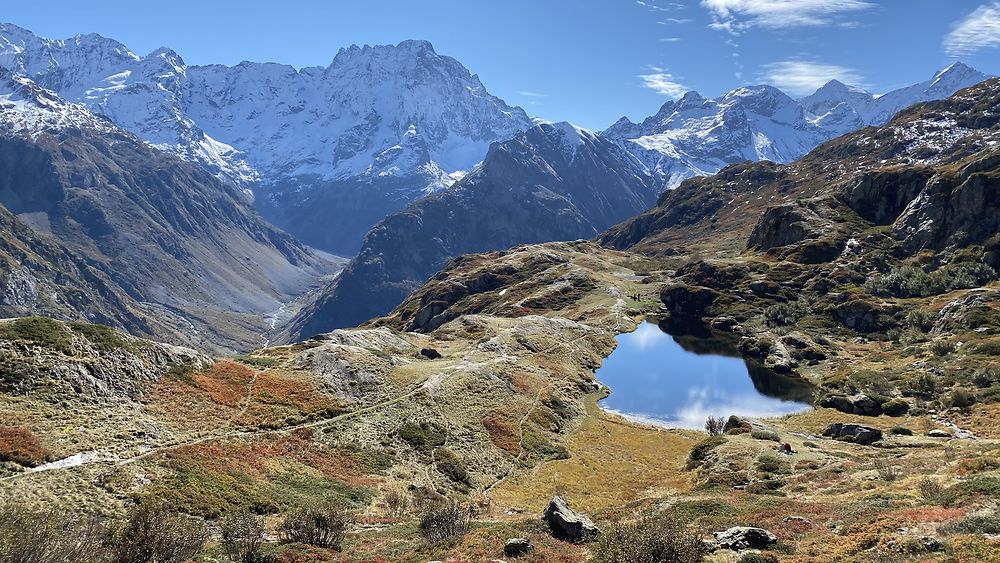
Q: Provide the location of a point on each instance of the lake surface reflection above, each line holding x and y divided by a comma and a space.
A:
677, 376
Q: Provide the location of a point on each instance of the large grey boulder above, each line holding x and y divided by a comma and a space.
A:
568, 524
856, 433
744, 537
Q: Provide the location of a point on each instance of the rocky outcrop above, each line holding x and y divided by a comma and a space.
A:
44, 357
688, 300
787, 224
854, 433
853, 404
976, 310
860, 315
744, 537
881, 195
954, 211
568, 524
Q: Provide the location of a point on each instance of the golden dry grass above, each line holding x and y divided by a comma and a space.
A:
612, 462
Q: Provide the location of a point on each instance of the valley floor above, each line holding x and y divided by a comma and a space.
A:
504, 415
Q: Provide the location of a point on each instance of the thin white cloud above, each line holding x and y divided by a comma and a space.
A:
529, 94
647, 336
663, 83
650, 5
979, 30
801, 78
666, 21
670, 39
735, 16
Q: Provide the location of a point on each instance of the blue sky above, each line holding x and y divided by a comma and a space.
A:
586, 61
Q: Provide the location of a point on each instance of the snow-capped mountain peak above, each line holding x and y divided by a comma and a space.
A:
955, 73
29, 110
695, 136
395, 120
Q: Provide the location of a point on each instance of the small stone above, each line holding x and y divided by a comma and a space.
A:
430, 353
938, 433
798, 521
931, 544
515, 547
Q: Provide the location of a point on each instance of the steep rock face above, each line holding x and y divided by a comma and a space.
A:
695, 136
553, 182
164, 230
329, 151
953, 211
930, 175
40, 277
84, 360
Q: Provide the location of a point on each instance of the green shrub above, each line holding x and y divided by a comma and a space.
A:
102, 337
961, 398
991, 395
707, 509
921, 319
38, 331
652, 538
910, 281
49, 536
764, 434
870, 383
979, 464
988, 524
151, 534
768, 463
986, 377
942, 347
784, 314
423, 437
895, 407
901, 431
183, 372
322, 525
905, 281
966, 275
446, 521
537, 446
990, 348
988, 487
765, 486
451, 466
923, 384
243, 537
701, 450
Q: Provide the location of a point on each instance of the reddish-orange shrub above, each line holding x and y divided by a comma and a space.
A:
20, 445
502, 433
226, 382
